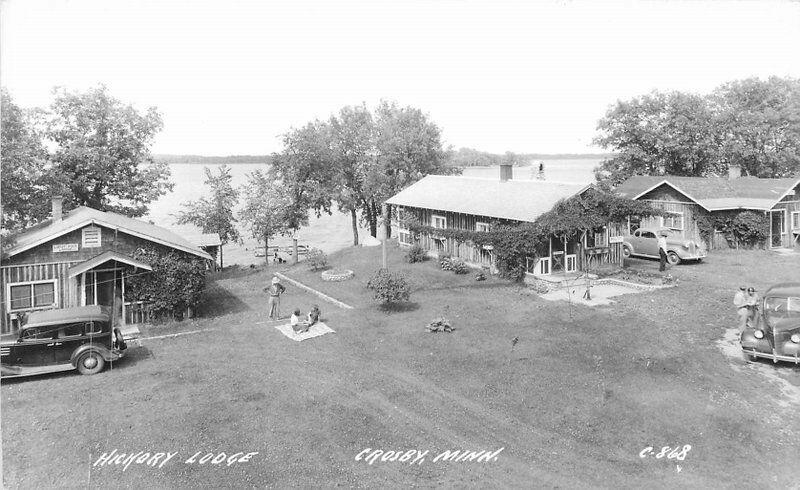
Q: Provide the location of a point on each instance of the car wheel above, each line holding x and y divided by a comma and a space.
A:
91, 363
673, 258
626, 251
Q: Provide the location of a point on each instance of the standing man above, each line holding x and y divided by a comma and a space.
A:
274, 291
662, 251
751, 302
740, 303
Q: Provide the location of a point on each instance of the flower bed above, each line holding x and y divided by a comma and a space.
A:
337, 275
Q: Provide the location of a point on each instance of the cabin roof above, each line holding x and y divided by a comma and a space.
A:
82, 216
521, 200
715, 193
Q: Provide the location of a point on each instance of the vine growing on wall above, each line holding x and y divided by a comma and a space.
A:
569, 217
175, 283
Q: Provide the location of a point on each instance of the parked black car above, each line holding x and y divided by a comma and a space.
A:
79, 338
775, 333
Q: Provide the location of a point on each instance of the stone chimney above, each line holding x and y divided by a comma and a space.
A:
58, 202
506, 172
734, 172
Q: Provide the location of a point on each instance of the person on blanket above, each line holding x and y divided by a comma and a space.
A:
313, 316
297, 325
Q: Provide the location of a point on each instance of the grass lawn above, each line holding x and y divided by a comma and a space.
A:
574, 402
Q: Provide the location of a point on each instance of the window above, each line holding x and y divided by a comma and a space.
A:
796, 220
74, 330
31, 295
91, 237
648, 234
39, 333
438, 221
93, 327
674, 222
597, 237
404, 238
479, 226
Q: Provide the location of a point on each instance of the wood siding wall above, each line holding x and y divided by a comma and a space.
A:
66, 293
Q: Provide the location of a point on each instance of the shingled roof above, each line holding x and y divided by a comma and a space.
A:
715, 193
521, 200
82, 216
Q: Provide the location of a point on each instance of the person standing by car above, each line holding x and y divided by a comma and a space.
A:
662, 251
751, 305
740, 303
274, 291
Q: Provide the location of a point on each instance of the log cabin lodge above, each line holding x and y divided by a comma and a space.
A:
80, 258
468, 203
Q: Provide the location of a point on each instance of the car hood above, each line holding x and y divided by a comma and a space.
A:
786, 325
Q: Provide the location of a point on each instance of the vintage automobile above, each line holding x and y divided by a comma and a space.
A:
63, 339
644, 243
775, 332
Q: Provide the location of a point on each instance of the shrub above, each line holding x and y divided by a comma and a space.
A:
416, 254
458, 266
440, 325
388, 287
480, 276
317, 259
446, 262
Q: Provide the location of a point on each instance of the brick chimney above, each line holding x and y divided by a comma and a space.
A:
506, 172
58, 202
734, 172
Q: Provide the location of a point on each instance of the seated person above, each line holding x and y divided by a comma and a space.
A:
313, 315
297, 325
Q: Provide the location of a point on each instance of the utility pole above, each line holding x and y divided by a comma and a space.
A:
384, 232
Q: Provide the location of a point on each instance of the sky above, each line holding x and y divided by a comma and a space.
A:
230, 77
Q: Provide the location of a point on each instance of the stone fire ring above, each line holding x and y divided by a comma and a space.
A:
337, 275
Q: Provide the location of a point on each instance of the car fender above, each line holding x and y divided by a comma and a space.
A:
628, 244
104, 352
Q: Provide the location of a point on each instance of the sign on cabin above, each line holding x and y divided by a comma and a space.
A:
615, 239
65, 247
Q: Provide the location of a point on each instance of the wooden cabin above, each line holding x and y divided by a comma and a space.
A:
80, 258
478, 204
690, 198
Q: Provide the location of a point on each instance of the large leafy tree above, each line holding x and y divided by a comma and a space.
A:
214, 214
102, 152
25, 182
753, 123
267, 209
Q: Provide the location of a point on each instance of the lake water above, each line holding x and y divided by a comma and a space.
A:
328, 232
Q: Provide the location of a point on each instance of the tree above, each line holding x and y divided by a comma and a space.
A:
267, 209
753, 124
25, 183
215, 214
408, 146
103, 152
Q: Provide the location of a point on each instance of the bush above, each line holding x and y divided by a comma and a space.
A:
458, 266
416, 254
388, 287
440, 325
446, 262
317, 259
480, 276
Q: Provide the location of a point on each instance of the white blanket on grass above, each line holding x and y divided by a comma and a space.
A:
315, 331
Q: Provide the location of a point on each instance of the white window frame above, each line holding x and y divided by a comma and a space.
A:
404, 233
481, 226
33, 302
435, 217
671, 225
91, 243
795, 220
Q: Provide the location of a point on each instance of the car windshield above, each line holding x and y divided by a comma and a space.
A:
777, 308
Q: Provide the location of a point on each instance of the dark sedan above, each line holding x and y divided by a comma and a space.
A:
775, 333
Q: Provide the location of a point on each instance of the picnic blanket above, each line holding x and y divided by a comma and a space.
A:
315, 331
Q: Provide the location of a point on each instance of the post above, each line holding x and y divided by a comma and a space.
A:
384, 233
294, 250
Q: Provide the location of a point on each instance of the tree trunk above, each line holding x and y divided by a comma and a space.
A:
266, 249
294, 251
221, 265
372, 215
354, 220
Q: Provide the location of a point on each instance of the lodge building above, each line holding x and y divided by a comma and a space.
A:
79, 258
